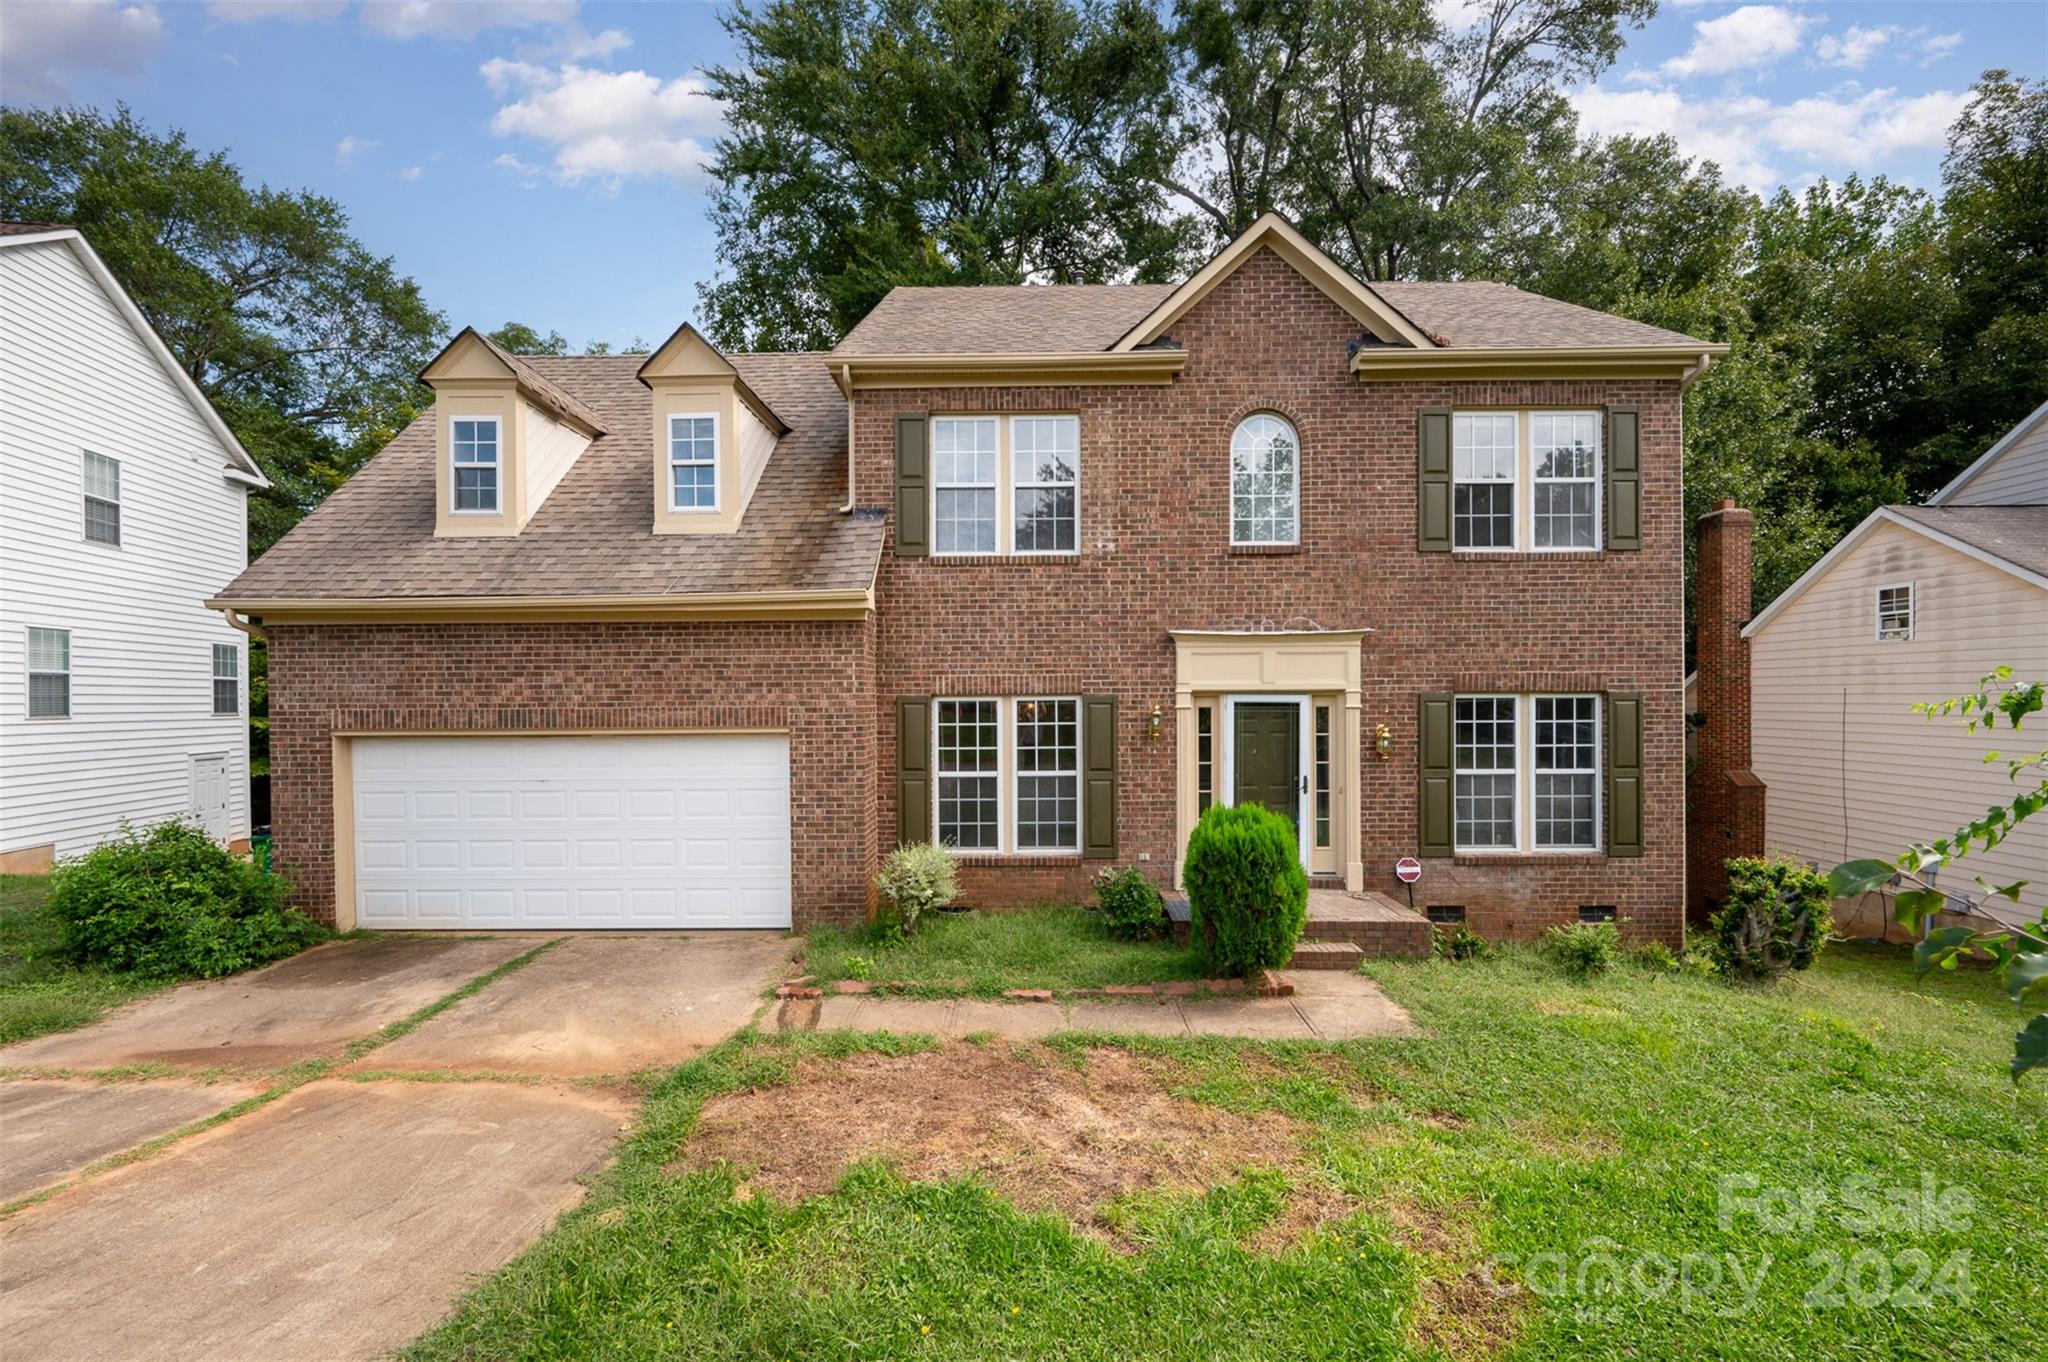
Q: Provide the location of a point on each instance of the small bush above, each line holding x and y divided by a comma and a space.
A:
1583, 948
1459, 943
1247, 892
171, 903
1131, 906
916, 878
1656, 957
1776, 919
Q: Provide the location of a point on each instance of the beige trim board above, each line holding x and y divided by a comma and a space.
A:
1040, 370
1279, 236
1373, 363
744, 605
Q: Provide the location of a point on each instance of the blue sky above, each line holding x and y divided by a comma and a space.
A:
531, 159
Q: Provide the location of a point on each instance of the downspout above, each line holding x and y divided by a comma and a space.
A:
1692, 375
237, 622
846, 383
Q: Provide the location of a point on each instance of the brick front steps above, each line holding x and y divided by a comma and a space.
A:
1370, 924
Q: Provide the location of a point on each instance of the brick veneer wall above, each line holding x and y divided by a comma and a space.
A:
813, 679
1155, 557
1724, 797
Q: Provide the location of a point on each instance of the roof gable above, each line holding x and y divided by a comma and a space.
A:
2014, 441
686, 355
241, 466
1273, 232
472, 357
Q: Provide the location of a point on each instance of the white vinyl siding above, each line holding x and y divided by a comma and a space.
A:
75, 377
1850, 769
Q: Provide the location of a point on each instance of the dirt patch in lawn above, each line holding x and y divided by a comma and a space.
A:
1460, 1309
1047, 1136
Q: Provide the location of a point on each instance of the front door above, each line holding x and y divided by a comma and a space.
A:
1266, 757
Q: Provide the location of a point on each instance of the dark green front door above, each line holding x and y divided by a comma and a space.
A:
1266, 758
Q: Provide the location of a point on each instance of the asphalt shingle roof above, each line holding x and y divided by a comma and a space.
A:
594, 535
2017, 534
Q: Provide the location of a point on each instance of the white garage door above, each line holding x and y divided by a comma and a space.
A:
538, 831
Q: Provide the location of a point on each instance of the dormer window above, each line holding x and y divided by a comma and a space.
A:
693, 461
473, 446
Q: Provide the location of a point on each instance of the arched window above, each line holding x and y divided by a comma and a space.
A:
1265, 482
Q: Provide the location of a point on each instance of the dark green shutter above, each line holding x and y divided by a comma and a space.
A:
1624, 774
913, 769
1624, 477
1433, 829
912, 482
1098, 766
1433, 473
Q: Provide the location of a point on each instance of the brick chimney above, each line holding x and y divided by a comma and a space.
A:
1724, 800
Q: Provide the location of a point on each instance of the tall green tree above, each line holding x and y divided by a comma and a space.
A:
307, 342
521, 339
871, 143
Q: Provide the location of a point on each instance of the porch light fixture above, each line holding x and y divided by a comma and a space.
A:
1382, 741
1154, 724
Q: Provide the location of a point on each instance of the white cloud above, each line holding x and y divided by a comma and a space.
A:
1753, 36
606, 126
253, 11
410, 173
1762, 143
348, 148
528, 174
462, 18
1939, 46
1856, 47
43, 46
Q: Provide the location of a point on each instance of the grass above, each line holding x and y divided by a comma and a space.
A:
40, 990
1542, 1130
1060, 948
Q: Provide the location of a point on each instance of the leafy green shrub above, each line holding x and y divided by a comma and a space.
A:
916, 878
1583, 948
1776, 918
1656, 957
1458, 943
1247, 892
1130, 903
171, 903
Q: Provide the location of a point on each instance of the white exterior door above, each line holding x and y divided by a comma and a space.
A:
210, 795
624, 831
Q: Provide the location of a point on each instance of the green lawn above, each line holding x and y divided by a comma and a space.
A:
1542, 1133
39, 990
1057, 948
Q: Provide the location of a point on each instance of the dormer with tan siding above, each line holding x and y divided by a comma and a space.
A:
713, 436
503, 438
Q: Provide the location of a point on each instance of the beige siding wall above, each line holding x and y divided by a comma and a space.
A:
2017, 477
1851, 770
549, 449
756, 443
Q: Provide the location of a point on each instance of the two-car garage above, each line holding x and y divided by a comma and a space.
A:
555, 831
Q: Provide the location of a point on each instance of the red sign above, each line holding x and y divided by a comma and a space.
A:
1408, 870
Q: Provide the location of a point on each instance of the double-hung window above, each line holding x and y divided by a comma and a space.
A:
1006, 485
1555, 740
473, 449
964, 459
1895, 613
102, 499
49, 673
1525, 480
227, 679
1265, 482
1008, 775
1045, 481
693, 462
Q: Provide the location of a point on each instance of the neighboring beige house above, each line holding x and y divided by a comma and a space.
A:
1917, 603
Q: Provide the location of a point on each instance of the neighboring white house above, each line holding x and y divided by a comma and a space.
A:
123, 505
1917, 603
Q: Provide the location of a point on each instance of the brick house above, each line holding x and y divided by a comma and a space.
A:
1039, 572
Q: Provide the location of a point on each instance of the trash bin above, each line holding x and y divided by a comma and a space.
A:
259, 846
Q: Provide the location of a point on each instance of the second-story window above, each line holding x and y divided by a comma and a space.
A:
473, 449
1527, 480
227, 679
1008, 485
1483, 464
1565, 449
693, 462
1265, 482
102, 499
1895, 613
1045, 475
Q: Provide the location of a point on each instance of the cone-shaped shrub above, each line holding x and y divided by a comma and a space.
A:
1247, 893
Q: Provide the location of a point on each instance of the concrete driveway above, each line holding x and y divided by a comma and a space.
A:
340, 1201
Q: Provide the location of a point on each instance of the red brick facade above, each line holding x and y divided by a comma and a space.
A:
1724, 798
1155, 557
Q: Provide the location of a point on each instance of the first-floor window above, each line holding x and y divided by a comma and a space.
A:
970, 774
1567, 770
1322, 775
1484, 739
227, 679
49, 673
1048, 775
1205, 759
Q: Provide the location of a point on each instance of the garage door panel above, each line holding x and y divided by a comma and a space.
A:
585, 831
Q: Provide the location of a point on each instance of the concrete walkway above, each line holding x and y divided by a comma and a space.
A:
1326, 1005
